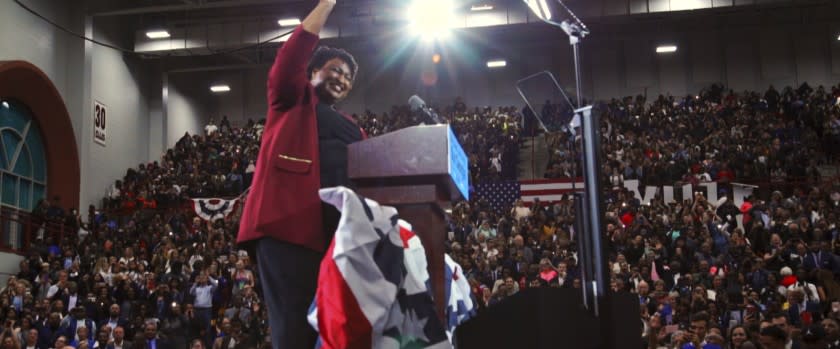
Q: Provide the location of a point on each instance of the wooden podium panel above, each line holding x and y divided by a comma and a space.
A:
418, 170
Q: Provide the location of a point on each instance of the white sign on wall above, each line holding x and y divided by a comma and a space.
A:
99, 122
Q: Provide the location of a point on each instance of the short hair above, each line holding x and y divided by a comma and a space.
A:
774, 332
700, 316
781, 315
324, 54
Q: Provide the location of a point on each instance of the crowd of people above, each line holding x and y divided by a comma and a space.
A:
703, 279
144, 268
220, 163
132, 272
719, 135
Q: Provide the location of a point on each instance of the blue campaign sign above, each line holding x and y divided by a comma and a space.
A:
459, 168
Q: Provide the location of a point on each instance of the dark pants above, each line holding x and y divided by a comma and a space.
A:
289, 277
204, 315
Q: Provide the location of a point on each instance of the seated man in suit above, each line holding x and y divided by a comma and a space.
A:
153, 341
819, 257
119, 341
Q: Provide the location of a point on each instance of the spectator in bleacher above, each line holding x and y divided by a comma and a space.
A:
118, 341
224, 125
203, 290
211, 128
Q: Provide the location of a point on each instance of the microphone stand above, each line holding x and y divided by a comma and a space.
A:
576, 31
593, 210
592, 259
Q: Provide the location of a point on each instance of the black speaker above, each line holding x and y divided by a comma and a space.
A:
553, 318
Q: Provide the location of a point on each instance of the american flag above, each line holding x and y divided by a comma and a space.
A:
502, 194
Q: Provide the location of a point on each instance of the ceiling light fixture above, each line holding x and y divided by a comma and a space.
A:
481, 7
157, 34
666, 49
288, 22
220, 88
496, 64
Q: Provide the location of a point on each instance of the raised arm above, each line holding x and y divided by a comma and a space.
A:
287, 78
316, 19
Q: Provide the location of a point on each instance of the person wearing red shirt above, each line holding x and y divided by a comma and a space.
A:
304, 148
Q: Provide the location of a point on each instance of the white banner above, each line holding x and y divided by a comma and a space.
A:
100, 116
739, 192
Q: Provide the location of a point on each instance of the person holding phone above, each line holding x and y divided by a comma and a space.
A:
696, 334
10, 336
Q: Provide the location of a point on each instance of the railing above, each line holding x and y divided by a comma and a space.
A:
18, 229
125, 208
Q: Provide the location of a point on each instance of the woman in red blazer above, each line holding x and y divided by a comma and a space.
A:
304, 148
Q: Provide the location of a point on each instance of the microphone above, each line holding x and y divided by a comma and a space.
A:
417, 104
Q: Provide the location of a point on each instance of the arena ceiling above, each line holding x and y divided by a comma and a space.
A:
213, 32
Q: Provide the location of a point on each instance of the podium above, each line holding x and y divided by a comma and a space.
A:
418, 170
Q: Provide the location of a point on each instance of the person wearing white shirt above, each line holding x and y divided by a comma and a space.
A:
811, 294
520, 211
211, 128
72, 297
810, 291
60, 285
83, 232
202, 290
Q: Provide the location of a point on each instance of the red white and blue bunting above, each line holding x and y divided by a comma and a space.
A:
214, 209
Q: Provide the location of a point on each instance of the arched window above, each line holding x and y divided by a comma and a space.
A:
23, 162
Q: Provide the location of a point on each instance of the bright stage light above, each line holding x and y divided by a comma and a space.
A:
157, 34
220, 88
288, 22
481, 7
666, 49
431, 19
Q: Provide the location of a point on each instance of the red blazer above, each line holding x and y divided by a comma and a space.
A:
283, 202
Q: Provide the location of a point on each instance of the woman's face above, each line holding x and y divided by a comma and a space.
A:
739, 336
659, 286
